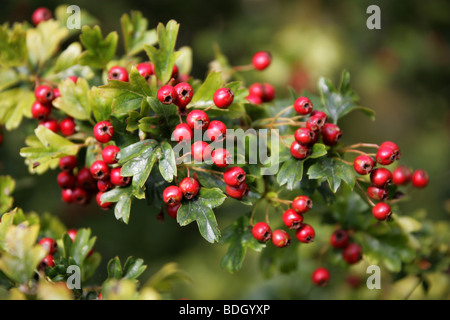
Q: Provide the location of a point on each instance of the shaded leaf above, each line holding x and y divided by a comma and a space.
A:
98, 51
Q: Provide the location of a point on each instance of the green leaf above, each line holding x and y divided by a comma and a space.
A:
7, 185
128, 96
5, 223
74, 99
164, 57
81, 246
114, 268
99, 51
203, 96
14, 105
167, 114
123, 208
334, 171
167, 162
99, 104
135, 33
13, 45
290, 173
239, 237
133, 268
68, 58
166, 277
200, 210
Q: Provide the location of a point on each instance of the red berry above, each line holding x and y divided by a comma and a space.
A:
175, 72
173, 210
223, 98
109, 154
221, 158
237, 192
66, 180
381, 211
381, 177
172, 195
385, 155
67, 126
200, 151
303, 106
320, 277
182, 132
261, 60
300, 151
302, 204
40, 111
68, 163
280, 238
104, 185
44, 94
305, 136
316, 121
41, 14
401, 175
331, 134
377, 193
104, 205
73, 78
305, 233
145, 69
352, 253
197, 120
79, 196
103, 131
292, 219
256, 89
393, 146
72, 234
189, 187
420, 178
66, 195
47, 262
339, 239
253, 99
117, 179
261, 231
49, 244
269, 92
99, 170
363, 164
183, 94
216, 130
85, 179
234, 176
50, 124
118, 73
166, 94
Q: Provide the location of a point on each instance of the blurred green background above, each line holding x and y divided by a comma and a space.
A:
401, 71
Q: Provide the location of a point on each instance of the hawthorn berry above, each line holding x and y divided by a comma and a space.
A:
292, 219
394, 148
182, 132
339, 238
316, 121
85, 179
261, 60
173, 210
300, 151
103, 131
254, 99
175, 72
401, 175
47, 262
381, 211
237, 192
305, 136
166, 94
109, 154
305, 233
381, 177
265, 91
363, 164
72, 233
66, 180
377, 193
41, 14
420, 178
67, 126
73, 78
183, 94
145, 69
200, 151
223, 98
44, 94
302, 204
99, 170
303, 106
68, 163
320, 277
104, 185
352, 253
50, 124
331, 134
103, 205
197, 120
118, 73
216, 130
79, 195
172, 195
234, 176
280, 238
261, 231
40, 111
117, 179
49, 244
189, 187
66, 195
385, 155
269, 92
221, 157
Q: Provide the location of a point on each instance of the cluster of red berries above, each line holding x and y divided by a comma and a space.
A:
292, 219
42, 108
188, 188
316, 127
382, 177
351, 251
234, 178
